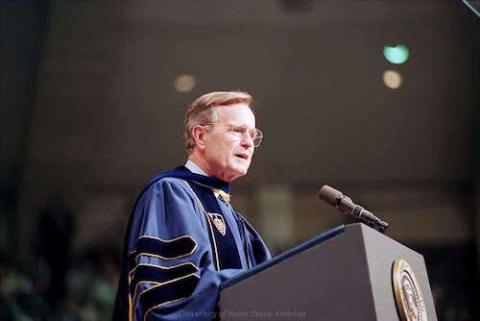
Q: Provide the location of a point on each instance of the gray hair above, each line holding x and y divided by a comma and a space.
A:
201, 111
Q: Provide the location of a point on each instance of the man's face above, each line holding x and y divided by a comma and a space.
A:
228, 146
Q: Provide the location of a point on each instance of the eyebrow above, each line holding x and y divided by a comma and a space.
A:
239, 125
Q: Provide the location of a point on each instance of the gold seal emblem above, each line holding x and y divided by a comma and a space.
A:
408, 297
219, 223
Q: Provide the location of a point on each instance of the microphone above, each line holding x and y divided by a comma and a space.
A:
346, 206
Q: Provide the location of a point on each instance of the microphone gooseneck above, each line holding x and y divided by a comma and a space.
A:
344, 204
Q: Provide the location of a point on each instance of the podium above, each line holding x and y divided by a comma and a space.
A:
350, 273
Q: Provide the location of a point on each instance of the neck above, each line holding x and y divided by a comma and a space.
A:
207, 168
200, 163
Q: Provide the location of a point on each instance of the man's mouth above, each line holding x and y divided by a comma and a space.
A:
242, 156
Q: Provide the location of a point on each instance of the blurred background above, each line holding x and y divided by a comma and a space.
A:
376, 98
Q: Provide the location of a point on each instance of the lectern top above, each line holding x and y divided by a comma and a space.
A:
285, 255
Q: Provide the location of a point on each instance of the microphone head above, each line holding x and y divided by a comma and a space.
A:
330, 195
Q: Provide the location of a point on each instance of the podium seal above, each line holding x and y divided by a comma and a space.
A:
408, 297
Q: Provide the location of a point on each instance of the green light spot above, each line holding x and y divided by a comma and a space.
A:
396, 54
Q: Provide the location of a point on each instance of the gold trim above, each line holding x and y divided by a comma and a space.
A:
152, 283
217, 191
166, 241
160, 305
131, 305
130, 309
409, 310
159, 284
199, 203
220, 193
217, 261
157, 267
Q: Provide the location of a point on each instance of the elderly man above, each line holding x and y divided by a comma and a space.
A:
184, 238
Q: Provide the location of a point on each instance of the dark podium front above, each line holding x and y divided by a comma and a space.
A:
342, 275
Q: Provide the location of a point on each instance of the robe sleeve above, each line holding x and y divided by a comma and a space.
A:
171, 273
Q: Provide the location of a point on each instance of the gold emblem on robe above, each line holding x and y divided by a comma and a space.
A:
219, 223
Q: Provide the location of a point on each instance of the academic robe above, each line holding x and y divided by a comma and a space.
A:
182, 242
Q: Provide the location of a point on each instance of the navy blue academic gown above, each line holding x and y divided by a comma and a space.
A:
182, 242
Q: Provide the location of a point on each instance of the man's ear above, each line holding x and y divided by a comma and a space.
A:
198, 134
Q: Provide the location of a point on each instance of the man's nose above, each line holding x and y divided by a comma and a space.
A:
247, 140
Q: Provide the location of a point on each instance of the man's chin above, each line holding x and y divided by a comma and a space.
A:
242, 170
234, 173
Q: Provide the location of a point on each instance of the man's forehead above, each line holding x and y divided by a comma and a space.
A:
232, 106
235, 114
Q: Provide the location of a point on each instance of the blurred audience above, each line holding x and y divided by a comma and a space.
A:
53, 246
89, 295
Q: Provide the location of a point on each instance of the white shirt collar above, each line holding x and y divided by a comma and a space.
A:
194, 168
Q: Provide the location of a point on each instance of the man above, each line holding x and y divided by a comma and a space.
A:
184, 239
